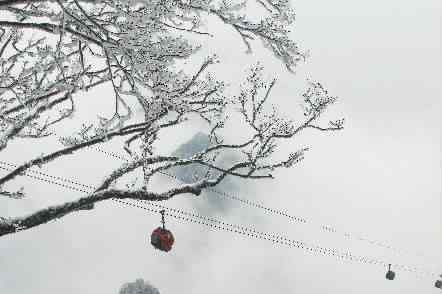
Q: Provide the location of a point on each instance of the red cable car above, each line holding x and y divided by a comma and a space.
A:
162, 238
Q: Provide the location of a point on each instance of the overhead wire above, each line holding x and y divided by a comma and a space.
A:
221, 225
276, 238
31, 174
326, 228
323, 227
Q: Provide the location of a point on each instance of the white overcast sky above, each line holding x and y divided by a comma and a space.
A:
380, 177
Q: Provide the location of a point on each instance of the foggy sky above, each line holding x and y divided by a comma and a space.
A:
380, 177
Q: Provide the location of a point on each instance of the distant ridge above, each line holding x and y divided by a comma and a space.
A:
192, 172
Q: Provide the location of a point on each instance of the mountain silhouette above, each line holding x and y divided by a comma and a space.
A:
213, 203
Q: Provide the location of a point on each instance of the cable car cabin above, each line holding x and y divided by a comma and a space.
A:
438, 284
162, 239
390, 274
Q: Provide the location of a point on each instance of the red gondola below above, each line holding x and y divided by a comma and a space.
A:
162, 239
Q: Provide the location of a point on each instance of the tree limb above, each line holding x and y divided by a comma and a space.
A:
9, 226
49, 28
69, 150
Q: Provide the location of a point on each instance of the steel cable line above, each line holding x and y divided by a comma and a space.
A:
298, 219
245, 201
29, 174
243, 230
275, 238
325, 228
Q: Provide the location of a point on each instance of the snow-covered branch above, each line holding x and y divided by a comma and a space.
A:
13, 225
134, 47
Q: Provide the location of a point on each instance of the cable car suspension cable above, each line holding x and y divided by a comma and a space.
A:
251, 232
302, 220
274, 238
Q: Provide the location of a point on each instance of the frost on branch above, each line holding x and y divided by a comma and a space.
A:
51, 52
133, 45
